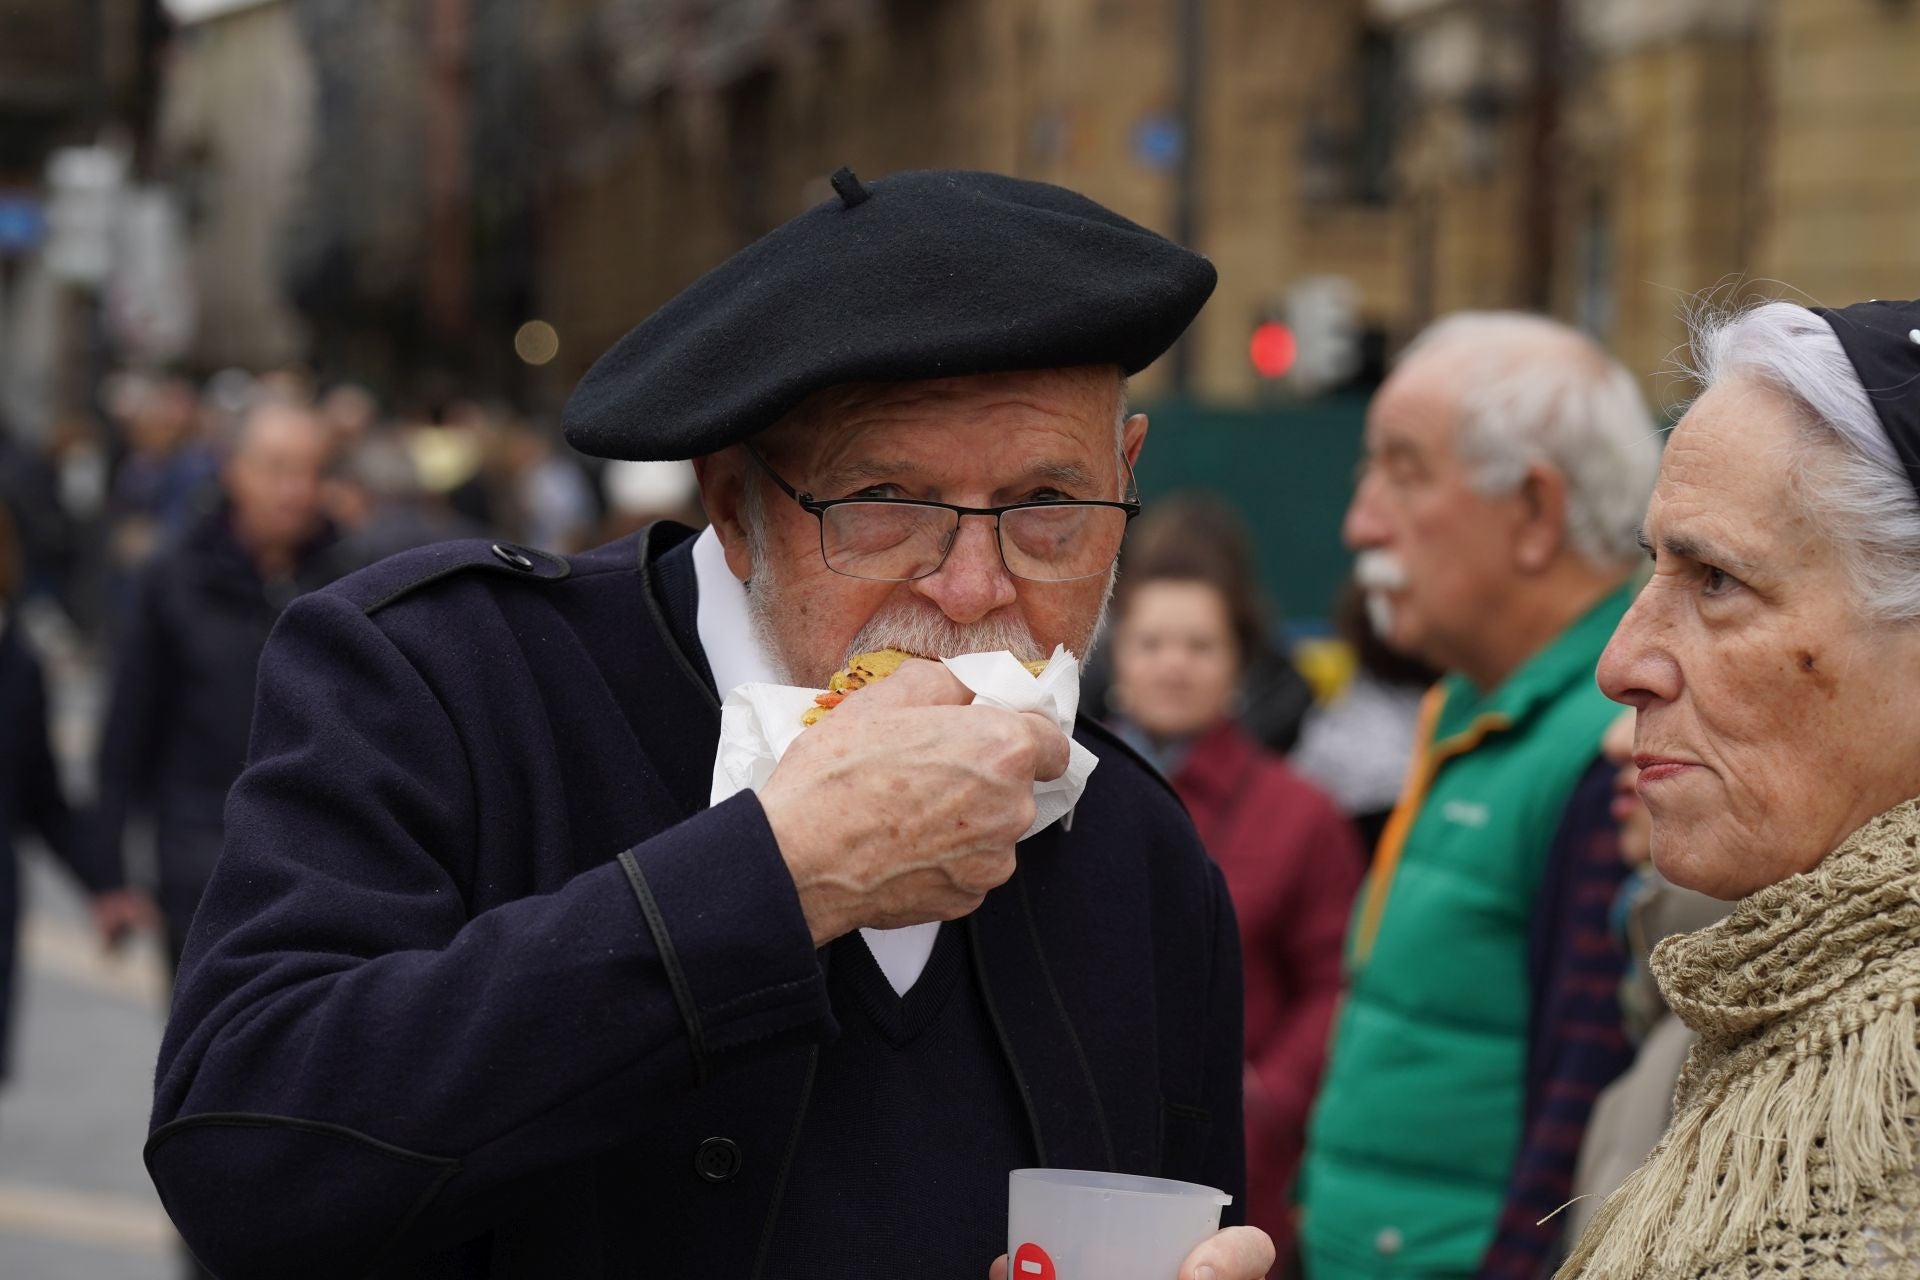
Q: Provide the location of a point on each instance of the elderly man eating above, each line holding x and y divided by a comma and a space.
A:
484, 986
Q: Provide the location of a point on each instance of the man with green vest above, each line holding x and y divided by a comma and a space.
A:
1509, 461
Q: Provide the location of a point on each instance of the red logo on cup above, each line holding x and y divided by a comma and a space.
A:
1030, 1262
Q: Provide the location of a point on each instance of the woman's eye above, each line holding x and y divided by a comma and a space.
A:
1716, 582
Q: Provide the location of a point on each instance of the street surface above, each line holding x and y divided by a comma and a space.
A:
75, 1202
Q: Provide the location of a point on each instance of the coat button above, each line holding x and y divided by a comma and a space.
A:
1388, 1242
717, 1160
514, 556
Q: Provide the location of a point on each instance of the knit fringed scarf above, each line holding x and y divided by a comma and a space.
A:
1796, 1126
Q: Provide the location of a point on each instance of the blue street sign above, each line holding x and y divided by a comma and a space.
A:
23, 223
1158, 142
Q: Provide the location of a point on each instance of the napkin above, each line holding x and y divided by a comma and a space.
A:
758, 722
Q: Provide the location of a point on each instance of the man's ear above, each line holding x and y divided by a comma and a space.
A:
1542, 532
722, 478
1133, 438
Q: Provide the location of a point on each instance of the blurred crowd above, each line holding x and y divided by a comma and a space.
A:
105, 495
157, 543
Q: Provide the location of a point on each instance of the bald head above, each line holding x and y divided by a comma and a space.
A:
272, 475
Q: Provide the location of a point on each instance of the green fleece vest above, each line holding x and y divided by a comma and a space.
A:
1418, 1122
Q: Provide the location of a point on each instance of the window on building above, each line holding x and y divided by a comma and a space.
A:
1349, 138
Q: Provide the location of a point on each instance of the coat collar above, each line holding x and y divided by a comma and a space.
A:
680, 721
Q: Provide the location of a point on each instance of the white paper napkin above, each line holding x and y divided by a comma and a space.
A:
758, 722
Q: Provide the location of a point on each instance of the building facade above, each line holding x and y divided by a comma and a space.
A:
1610, 161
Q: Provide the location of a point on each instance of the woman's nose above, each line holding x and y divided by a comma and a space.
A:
1635, 669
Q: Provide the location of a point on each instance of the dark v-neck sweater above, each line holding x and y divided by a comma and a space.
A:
910, 1080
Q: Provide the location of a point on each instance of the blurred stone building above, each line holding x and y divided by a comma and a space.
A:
77, 89
480, 163
1604, 159
233, 141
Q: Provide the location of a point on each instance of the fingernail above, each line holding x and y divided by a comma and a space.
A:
1205, 1271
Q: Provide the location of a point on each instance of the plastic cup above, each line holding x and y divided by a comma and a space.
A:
1071, 1224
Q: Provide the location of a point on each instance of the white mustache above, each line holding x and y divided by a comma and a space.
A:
931, 634
1377, 570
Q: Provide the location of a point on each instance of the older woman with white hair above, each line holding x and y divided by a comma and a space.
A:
1774, 661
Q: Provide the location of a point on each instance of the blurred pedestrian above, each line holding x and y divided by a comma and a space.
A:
31, 797
1773, 662
162, 474
1508, 463
553, 502
1273, 697
375, 499
182, 694
351, 413
1357, 747
1185, 625
1634, 1110
29, 489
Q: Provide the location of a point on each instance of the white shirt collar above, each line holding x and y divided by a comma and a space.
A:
732, 644
724, 623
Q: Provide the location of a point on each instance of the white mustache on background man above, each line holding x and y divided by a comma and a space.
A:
1379, 573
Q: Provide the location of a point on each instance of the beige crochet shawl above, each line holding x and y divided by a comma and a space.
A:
1796, 1124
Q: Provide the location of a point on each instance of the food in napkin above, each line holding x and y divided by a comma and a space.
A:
862, 670
758, 722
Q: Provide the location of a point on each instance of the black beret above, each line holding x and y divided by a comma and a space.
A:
930, 274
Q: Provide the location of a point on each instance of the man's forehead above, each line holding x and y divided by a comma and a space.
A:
281, 429
1414, 410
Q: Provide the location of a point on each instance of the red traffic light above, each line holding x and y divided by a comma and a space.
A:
1272, 349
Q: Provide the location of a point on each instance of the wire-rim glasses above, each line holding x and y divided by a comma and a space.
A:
905, 539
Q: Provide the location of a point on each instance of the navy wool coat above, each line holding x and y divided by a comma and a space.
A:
480, 972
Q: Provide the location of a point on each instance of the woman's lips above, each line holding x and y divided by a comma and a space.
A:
1659, 769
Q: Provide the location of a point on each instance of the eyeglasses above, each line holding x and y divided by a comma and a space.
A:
902, 539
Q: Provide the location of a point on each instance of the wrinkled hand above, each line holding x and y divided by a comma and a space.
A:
903, 806
1234, 1253
120, 912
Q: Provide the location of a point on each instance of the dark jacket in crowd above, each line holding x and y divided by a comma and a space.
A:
1293, 864
182, 701
483, 987
1577, 1043
30, 797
